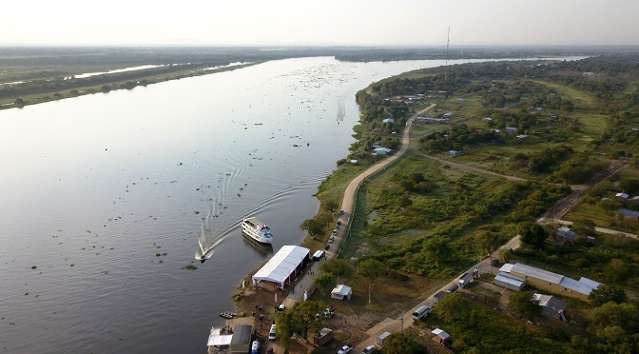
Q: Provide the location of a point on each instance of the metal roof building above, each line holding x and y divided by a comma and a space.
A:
285, 263
557, 283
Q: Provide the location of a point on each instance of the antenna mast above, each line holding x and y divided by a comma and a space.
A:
447, 45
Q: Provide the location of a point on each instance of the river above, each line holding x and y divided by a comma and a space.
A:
105, 196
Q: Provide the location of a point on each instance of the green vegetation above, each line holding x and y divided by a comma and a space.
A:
521, 303
475, 328
403, 343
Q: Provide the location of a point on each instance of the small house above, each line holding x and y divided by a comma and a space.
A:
323, 336
440, 336
629, 214
448, 115
551, 306
511, 130
622, 195
522, 136
488, 119
455, 153
354, 162
439, 296
564, 233
388, 121
382, 338
342, 292
381, 151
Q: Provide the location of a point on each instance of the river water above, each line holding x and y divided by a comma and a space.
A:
104, 197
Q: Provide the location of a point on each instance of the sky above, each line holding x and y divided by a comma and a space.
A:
319, 22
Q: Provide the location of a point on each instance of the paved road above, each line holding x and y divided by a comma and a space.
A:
348, 205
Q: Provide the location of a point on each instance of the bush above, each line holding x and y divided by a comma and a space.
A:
607, 293
521, 304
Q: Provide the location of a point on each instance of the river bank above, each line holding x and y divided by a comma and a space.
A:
176, 72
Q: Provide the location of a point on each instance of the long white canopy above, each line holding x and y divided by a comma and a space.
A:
281, 265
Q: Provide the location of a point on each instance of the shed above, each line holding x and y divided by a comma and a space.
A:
241, 341
323, 336
381, 151
566, 234
508, 281
388, 121
629, 214
283, 266
622, 195
552, 306
440, 336
382, 337
342, 292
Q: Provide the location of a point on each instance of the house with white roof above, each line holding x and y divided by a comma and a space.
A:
342, 292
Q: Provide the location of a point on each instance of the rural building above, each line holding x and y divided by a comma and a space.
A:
432, 120
629, 214
381, 151
551, 306
241, 340
564, 233
447, 115
388, 121
511, 130
230, 341
440, 336
382, 337
323, 336
342, 292
622, 195
508, 281
455, 153
282, 268
551, 282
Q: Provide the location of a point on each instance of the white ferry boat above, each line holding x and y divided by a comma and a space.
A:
257, 230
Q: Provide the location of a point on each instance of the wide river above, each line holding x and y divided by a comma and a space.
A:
104, 197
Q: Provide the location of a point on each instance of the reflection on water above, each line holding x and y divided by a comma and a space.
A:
105, 197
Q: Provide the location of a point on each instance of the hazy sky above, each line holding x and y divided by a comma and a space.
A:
319, 22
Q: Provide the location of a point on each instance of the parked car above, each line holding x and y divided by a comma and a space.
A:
452, 288
272, 333
369, 350
255, 347
345, 349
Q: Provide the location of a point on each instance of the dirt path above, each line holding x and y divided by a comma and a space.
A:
468, 168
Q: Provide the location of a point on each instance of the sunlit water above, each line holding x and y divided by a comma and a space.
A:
105, 196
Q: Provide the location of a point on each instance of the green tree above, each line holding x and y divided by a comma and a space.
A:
338, 267
325, 281
584, 227
402, 343
606, 293
371, 269
617, 270
522, 305
533, 235
437, 249
314, 227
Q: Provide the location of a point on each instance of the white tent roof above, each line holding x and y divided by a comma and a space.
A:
342, 290
282, 264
